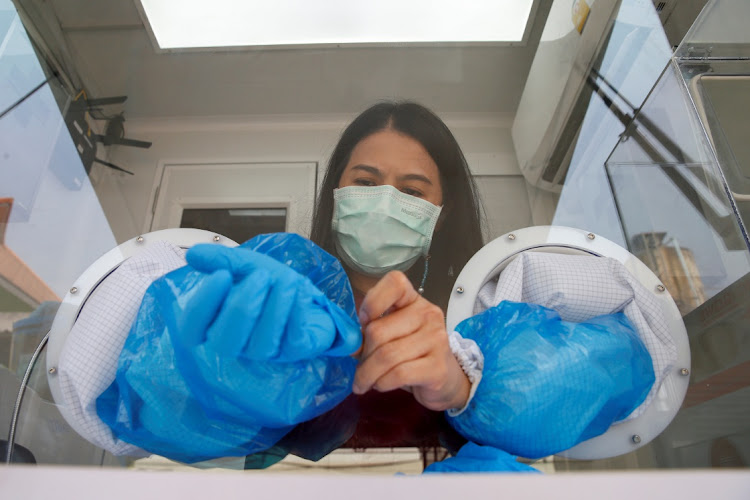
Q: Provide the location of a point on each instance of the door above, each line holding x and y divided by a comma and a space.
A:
237, 200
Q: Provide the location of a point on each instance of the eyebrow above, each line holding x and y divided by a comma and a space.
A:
378, 173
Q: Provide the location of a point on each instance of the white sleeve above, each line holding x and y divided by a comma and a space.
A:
89, 358
468, 355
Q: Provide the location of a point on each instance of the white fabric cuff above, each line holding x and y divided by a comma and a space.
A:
471, 359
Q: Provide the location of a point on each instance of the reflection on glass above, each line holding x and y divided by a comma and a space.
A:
630, 63
719, 32
677, 179
721, 100
672, 235
51, 228
636, 170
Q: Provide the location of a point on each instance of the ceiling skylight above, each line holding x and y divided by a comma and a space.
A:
232, 23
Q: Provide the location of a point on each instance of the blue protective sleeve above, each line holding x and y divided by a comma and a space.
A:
548, 384
229, 353
473, 458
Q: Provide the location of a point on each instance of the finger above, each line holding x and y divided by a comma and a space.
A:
239, 261
387, 357
207, 258
415, 372
231, 331
310, 330
394, 290
420, 314
266, 337
202, 307
395, 325
348, 340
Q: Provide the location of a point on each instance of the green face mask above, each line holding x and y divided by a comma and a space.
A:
380, 229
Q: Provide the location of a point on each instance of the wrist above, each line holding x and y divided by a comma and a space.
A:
456, 391
462, 388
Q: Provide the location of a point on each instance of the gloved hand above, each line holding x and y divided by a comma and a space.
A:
549, 384
473, 458
269, 312
197, 377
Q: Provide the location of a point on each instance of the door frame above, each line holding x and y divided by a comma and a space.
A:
231, 202
177, 207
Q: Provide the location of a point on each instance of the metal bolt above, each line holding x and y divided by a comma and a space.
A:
591, 236
460, 289
511, 236
684, 372
216, 238
636, 438
52, 370
660, 288
139, 239
74, 290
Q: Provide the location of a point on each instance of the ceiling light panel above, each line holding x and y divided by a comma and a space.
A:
240, 23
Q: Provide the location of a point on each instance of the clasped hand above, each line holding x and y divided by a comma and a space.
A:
406, 346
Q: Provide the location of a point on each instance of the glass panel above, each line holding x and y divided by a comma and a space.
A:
629, 64
236, 224
678, 185
624, 140
718, 32
720, 97
51, 228
20, 72
695, 248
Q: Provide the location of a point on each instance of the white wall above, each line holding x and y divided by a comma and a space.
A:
484, 138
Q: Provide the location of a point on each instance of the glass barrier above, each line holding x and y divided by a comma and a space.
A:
718, 33
51, 228
106, 137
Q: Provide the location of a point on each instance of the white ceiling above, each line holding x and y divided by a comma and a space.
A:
113, 55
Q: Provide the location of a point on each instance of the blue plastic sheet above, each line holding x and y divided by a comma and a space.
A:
473, 458
548, 384
230, 352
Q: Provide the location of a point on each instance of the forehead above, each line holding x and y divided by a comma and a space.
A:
394, 154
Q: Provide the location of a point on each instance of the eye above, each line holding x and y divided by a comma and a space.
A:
412, 192
364, 182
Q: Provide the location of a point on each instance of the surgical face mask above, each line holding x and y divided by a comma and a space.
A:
380, 229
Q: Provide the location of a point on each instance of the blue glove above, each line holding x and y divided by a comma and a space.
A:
197, 379
271, 311
548, 384
474, 458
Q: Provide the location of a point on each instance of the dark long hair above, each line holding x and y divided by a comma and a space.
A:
459, 235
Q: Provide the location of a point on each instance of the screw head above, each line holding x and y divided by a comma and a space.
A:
660, 288
684, 372
591, 236
74, 290
52, 370
216, 238
636, 438
511, 236
139, 239
460, 289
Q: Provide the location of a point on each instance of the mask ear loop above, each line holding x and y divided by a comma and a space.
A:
424, 275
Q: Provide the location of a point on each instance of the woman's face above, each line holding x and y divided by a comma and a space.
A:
388, 157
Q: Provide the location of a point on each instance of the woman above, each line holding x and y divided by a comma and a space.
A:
398, 209
406, 146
